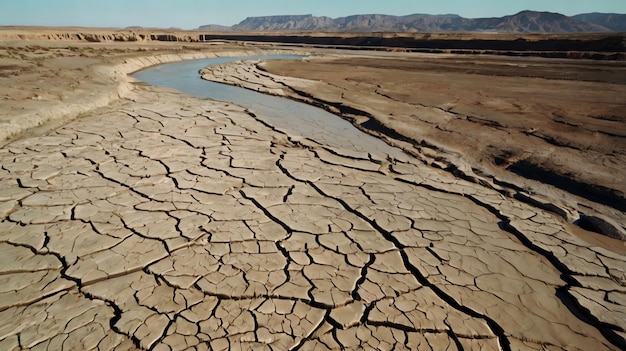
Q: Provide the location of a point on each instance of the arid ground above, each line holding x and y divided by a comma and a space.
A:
135, 217
546, 120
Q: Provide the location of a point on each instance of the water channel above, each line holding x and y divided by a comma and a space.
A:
293, 117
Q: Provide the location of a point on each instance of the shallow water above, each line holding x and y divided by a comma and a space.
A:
293, 117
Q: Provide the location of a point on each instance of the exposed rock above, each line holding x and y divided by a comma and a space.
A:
602, 225
523, 22
613, 21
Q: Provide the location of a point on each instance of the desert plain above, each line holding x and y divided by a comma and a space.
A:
137, 217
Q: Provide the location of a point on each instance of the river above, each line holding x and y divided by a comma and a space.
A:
292, 117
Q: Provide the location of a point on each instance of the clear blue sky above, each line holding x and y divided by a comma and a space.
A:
189, 14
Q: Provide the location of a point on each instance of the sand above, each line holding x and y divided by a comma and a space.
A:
154, 220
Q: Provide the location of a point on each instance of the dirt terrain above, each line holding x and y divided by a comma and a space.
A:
522, 121
139, 218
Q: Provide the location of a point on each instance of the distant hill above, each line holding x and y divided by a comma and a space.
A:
216, 28
613, 21
523, 22
536, 22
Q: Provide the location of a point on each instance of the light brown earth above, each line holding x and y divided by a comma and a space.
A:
159, 221
552, 121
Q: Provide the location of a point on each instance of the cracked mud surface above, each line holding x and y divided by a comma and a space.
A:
549, 127
174, 223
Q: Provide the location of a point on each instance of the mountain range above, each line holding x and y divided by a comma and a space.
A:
522, 22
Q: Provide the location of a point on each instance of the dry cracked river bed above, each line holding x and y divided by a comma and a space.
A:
166, 222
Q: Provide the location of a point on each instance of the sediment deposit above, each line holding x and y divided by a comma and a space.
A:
160, 221
521, 123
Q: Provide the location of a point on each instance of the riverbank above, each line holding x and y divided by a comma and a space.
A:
595, 46
47, 84
162, 220
516, 124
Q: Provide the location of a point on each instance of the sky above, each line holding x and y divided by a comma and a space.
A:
190, 14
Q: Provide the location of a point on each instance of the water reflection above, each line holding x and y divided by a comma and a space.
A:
293, 117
